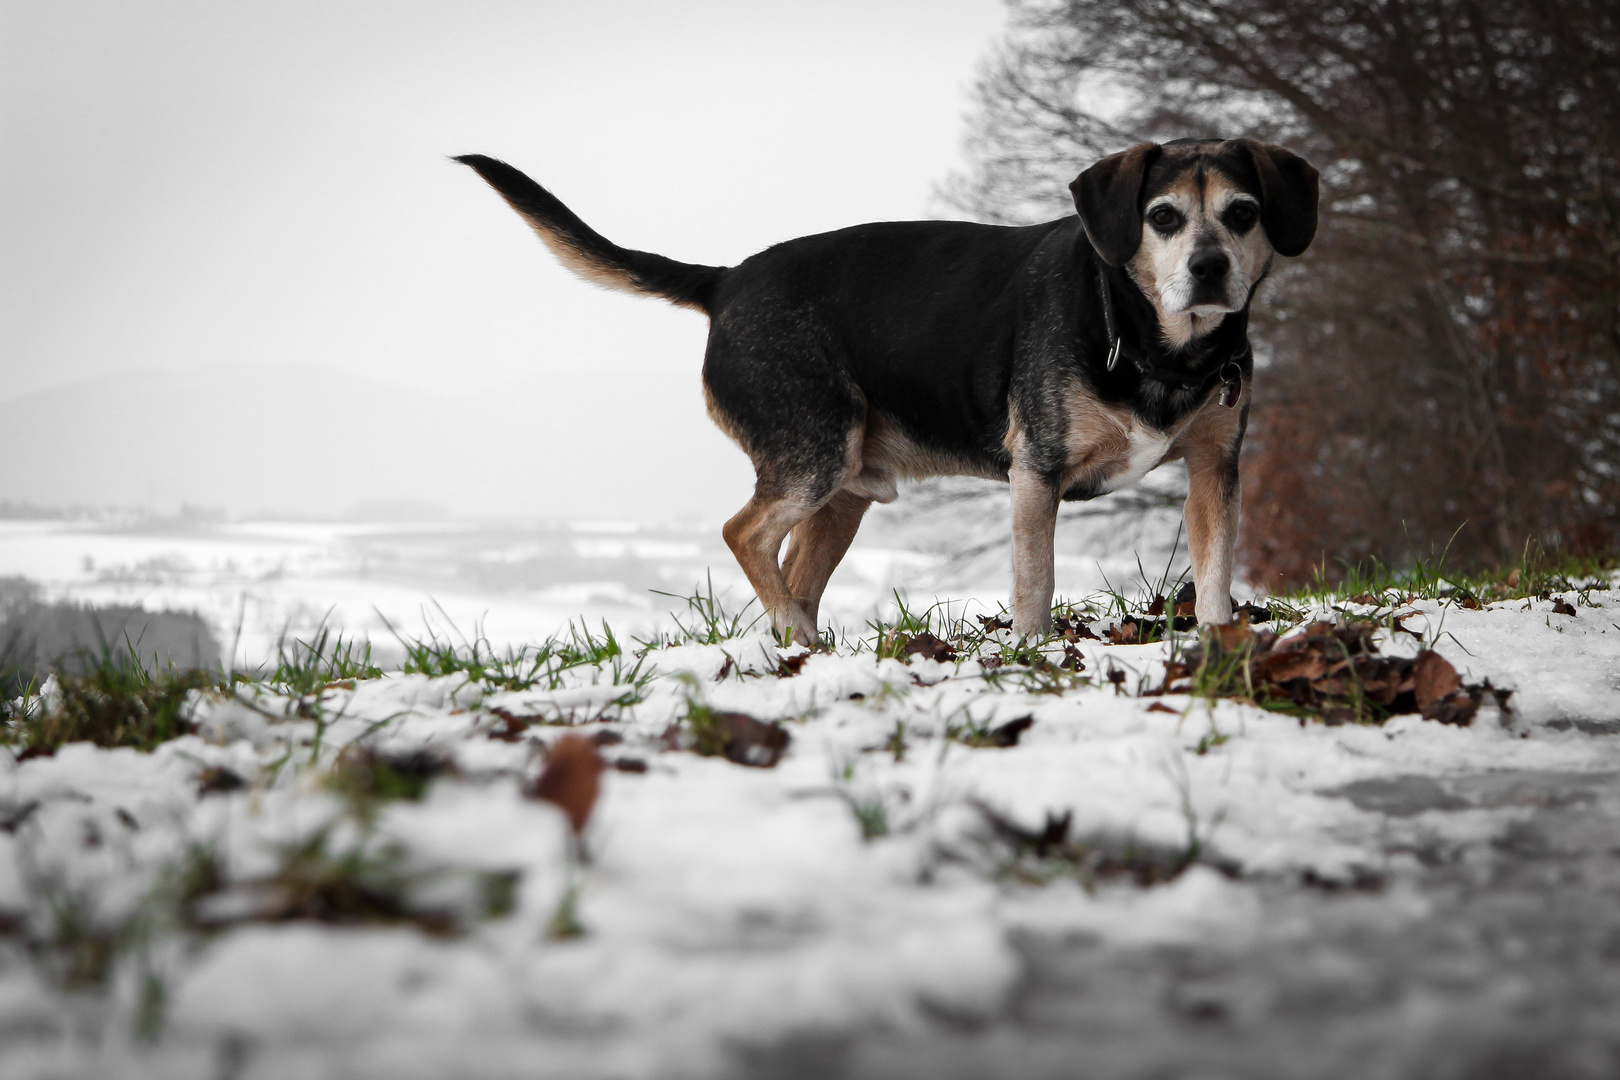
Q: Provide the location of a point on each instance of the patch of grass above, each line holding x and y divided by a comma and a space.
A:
498, 893
707, 620
112, 701
896, 742
362, 884
734, 736
1538, 573
79, 953
366, 778
1042, 856
864, 802
305, 669
872, 817
564, 924
545, 665
889, 637
709, 736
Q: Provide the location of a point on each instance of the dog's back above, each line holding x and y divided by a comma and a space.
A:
919, 316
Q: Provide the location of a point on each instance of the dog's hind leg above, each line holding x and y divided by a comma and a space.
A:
774, 385
755, 537
818, 544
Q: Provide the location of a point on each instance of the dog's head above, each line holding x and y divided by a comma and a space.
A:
1195, 222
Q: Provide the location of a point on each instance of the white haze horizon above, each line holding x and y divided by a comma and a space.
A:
243, 273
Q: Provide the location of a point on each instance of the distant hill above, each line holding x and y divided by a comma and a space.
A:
597, 444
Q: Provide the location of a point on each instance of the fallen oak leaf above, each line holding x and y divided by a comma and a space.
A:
1159, 706
1561, 608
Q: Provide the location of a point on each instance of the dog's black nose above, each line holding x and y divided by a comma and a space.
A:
1208, 266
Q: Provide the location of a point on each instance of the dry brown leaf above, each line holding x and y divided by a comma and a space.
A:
1234, 635
929, 647
1456, 708
1286, 666
571, 779
750, 741
1433, 678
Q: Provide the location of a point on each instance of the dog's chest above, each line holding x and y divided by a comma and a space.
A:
1109, 447
1145, 449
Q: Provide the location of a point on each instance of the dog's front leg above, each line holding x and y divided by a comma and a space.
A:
1214, 500
1034, 521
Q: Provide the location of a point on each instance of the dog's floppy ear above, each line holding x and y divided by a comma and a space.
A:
1288, 187
1109, 197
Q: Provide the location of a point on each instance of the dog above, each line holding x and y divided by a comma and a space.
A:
1067, 359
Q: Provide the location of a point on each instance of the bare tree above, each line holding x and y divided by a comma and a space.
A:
1447, 356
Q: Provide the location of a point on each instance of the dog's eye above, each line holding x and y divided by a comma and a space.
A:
1164, 217
1241, 215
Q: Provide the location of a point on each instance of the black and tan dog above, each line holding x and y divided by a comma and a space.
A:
1067, 359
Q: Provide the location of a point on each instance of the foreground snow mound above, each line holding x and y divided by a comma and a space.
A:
362, 881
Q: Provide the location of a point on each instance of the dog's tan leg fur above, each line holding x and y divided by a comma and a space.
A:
1034, 524
1212, 511
755, 537
818, 544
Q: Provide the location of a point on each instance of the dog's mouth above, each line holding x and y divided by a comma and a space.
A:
1201, 304
1186, 296
1210, 305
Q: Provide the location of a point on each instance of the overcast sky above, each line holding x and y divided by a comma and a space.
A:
222, 189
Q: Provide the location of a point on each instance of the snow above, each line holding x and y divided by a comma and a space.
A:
721, 905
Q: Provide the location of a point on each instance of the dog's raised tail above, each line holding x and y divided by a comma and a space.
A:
587, 252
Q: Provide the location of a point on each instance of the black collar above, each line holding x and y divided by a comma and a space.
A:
1229, 373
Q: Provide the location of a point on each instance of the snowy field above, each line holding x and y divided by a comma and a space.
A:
958, 867
260, 582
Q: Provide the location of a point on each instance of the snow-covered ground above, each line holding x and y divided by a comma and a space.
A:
870, 885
